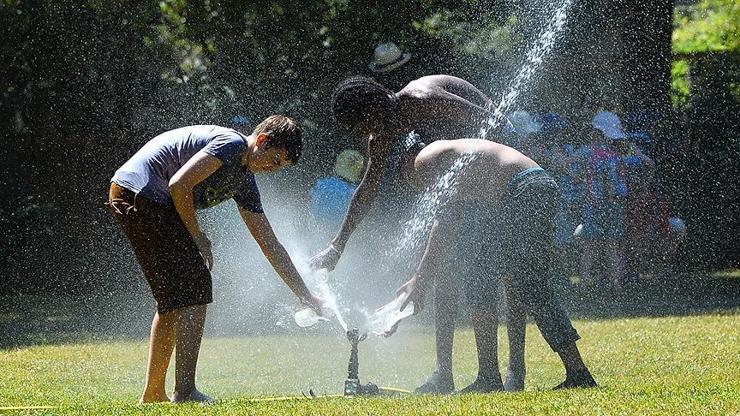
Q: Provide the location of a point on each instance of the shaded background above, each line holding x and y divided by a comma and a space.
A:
85, 84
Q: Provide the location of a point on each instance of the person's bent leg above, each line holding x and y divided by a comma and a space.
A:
161, 344
485, 325
531, 280
555, 326
190, 325
516, 327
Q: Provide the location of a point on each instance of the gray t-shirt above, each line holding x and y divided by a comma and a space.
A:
148, 172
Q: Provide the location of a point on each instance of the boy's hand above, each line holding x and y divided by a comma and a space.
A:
414, 293
391, 331
204, 246
314, 302
326, 259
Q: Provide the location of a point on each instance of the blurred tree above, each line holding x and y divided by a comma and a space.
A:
707, 26
705, 89
703, 27
86, 83
74, 74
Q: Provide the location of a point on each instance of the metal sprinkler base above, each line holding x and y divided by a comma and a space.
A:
352, 385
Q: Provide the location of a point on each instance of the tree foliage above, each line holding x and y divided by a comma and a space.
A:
85, 83
707, 26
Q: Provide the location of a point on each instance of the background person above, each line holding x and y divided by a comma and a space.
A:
390, 66
603, 213
330, 196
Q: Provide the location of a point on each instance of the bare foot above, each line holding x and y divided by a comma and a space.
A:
153, 398
194, 396
484, 384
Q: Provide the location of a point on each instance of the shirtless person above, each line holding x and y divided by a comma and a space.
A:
434, 107
525, 196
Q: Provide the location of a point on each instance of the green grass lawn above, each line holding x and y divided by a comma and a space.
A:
645, 365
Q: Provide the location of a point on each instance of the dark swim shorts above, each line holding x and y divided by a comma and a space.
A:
479, 243
168, 255
528, 249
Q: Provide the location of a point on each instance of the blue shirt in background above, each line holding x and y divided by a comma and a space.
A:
330, 198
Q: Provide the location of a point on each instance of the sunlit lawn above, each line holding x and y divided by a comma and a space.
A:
664, 365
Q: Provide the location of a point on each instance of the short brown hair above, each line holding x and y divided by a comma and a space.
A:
284, 133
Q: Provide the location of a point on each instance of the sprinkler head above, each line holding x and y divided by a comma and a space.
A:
354, 337
352, 386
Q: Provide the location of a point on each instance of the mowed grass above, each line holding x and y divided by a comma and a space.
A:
647, 365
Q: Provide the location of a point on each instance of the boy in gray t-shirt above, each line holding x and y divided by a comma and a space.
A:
154, 196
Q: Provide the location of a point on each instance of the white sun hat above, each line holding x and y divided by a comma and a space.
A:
387, 57
609, 124
522, 124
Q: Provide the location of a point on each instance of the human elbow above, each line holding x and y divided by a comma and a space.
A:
178, 187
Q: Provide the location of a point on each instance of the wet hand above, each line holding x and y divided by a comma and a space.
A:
414, 293
314, 302
391, 331
326, 259
204, 246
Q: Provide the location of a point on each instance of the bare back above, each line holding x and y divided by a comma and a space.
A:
443, 107
484, 178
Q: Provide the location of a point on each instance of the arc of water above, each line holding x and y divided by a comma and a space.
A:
534, 59
440, 193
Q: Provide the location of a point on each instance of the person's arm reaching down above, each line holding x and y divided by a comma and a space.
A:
278, 257
416, 287
360, 204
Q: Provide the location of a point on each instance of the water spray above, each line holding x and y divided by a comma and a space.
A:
377, 323
308, 317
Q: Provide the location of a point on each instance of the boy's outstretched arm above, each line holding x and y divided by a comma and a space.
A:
278, 257
360, 204
417, 286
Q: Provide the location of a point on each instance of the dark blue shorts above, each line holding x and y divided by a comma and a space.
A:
529, 251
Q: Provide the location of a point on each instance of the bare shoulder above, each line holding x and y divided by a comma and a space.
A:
433, 152
426, 84
433, 81
446, 82
417, 88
